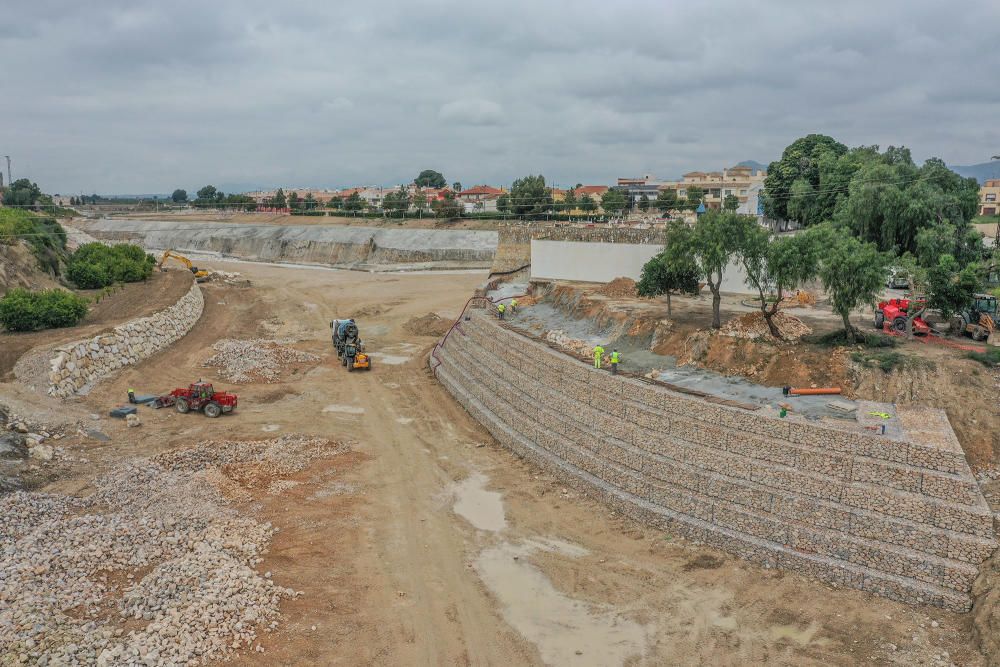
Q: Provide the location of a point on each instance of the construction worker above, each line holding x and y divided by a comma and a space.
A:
615, 358
513, 306
500, 309
131, 396
598, 353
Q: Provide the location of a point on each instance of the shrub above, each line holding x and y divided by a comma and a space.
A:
96, 265
43, 234
23, 310
991, 357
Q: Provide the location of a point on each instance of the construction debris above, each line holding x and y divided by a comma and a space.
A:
155, 567
753, 325
255, 360
619, 288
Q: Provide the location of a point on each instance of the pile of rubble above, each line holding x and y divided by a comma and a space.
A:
752, 325
619, 288
255, 360
568, 343
22, 437
430, 324
153, 568
228, 278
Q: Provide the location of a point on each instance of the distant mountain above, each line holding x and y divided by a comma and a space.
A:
753, 164
980, 172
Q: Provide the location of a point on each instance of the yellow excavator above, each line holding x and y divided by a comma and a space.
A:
200, 275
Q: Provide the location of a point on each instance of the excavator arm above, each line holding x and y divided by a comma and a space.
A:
200, 276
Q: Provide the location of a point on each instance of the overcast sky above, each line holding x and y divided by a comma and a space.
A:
127, 96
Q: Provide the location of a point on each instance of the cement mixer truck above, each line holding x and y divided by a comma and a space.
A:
347, 341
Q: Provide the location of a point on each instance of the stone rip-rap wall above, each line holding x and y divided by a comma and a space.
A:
902, 518
79, 365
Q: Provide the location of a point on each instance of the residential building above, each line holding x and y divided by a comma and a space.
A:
742, 182
479, 193
989, 198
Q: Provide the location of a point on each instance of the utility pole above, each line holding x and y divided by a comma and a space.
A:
9, 181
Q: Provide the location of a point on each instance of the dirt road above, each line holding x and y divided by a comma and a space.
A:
429, 544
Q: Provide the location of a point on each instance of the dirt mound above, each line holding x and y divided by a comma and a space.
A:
619, 288
753, 325
430, 324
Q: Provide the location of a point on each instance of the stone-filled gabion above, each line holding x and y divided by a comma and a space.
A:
77, 366
900, 517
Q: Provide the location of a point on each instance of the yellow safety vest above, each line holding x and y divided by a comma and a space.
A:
501, 308
614, 357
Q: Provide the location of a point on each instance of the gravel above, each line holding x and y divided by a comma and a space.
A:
155, 567
255, 360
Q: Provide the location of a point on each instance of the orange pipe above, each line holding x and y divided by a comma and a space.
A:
808, 391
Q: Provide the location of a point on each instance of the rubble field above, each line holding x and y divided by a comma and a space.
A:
256, 359
157, 566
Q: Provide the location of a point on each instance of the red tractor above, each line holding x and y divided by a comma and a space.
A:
199, 396
894, 311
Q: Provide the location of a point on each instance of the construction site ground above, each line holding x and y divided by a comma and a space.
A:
426, 543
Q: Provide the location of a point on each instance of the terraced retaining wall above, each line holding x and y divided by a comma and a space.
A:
77, 366
900, 517
310, 244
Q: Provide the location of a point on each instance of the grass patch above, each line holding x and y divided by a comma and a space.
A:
890, 360
990, 357
839, 339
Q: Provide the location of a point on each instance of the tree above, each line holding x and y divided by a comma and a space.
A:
673, 270
853, 273
801, 159
530, 196
354, 202
644, 202
731, 203
774, 266
419, 201
22, 192
396, 203
335, 203
179, 196
503, 203
614, 201
293, 200
694, 196
429, 178
587, 203
569, 201
666, 201
309, 203
207, 193
278, 201
713, 241
951, 286
456, 186
447, 206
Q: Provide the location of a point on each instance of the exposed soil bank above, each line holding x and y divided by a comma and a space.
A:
349, 247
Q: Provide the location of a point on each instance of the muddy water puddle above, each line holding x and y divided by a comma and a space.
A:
564, 629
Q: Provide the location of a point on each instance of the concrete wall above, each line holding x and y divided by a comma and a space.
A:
77, 366
601, 262
316, 244
902, 518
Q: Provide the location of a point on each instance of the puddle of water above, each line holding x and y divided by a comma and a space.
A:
348, 409
566, 631
270, 428
404, 420
482, 508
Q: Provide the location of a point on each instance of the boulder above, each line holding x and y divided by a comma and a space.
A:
41, 452
13, 446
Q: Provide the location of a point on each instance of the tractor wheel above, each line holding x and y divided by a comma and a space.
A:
899, 324
182, 406
369, 363
879, 319
343, 361
350, 367
213, 409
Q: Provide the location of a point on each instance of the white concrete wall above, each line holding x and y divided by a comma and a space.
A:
603, 262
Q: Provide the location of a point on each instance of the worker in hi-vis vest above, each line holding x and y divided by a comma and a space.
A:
513, 306
500, 309
598, 353
615, 358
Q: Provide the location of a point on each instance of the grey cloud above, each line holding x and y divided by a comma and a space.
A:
131, 95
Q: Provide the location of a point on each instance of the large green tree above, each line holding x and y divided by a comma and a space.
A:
429, 178
23, 193
530, 196
694, 195
800, 160
587, 203
666, 200
853, 272
278, 201
614, 201
179, 196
